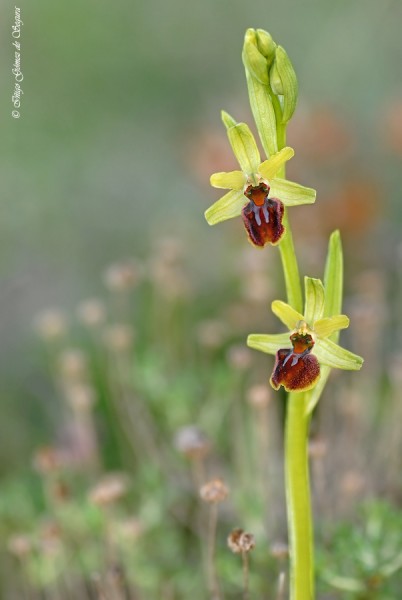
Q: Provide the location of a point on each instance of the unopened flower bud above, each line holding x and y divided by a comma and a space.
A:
241, 542
285, 83
266, 45
253, 59
214, 491
192, 442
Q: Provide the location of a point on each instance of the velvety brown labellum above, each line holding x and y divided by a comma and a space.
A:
262, 217
297, 377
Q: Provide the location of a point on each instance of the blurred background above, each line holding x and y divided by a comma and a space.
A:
123, 315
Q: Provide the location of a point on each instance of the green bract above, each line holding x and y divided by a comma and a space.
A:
253, 172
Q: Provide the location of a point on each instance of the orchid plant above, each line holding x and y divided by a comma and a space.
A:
305, 355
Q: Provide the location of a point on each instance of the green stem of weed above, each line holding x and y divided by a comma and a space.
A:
298, 498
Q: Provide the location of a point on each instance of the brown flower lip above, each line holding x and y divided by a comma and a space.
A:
296, 369
262, 216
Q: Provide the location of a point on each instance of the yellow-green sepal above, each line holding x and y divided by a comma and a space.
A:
231, 180
227, 207
314, 300
245, 148
227, 119
333, 355
269, 168
291, 193
288, 79
328, 325
270, 344
286, 313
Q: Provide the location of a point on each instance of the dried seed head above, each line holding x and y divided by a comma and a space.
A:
170, 250
317, 448
192, 442
47, 460
280, 550
214, 491
80, 397
119, 337
130, 529
239, 357
258, 396
211, 333
109, 489
19, 545
50, 538
73, 365
239, 541
121, 277
51, 324
91, 312
353, 483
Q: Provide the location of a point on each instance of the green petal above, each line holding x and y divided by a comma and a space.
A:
244, 147
332, 355
263, 113
288, 78
288, 315
233, 180
227, 207
333, 277
270, 344
227, 119
329, 325
315, 297
290, 193
269, 168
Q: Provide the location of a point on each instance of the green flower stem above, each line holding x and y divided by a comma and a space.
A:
298, 498
286, 247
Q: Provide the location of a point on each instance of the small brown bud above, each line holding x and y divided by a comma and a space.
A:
239, 541
91, 312
19, 545
239, 357
73, 364
214, 491
317, 448
123, 276
192, 442
81, 397
258, 396
109, 489
280, 550
119, 337
47, 460
51, 324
